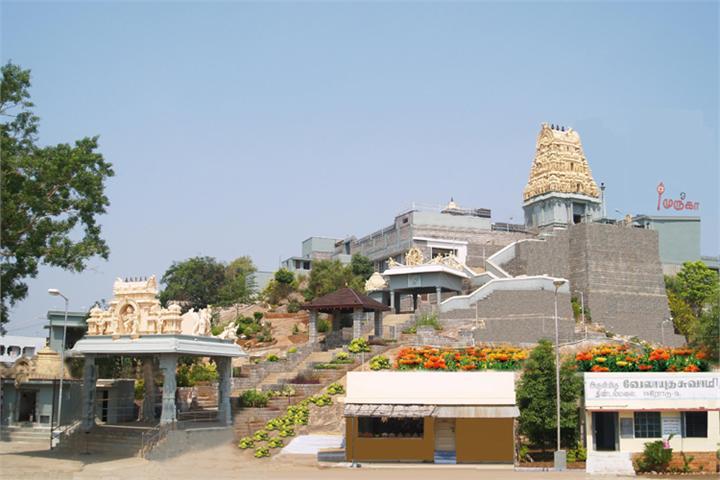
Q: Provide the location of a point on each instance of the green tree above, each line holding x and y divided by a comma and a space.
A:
683, 317
195, 282
327, 276
694, 301
697, 285
536, 399
239, 286
284, 276
51, 196
361, 266
280, 287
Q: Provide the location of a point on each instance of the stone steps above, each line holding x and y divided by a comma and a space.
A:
609, 463
25, 434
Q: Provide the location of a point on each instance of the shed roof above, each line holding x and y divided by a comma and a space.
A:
345, 299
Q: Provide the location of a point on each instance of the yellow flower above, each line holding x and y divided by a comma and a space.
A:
601, 359
620, 363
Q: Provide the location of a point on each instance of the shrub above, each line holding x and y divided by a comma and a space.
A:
190, 375
292, 350
342, 356
288, 391
321, 400
425, 320
295, 329
254, 399
216, 330
379, 362
335, 389
286, 432
258, 316
272, 358
246, 442
655, 457
293, 306
359, 345
265, 335
261, 452
275, 443
260, 435
323, 325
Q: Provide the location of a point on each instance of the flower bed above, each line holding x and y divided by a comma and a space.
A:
467, 359
621, 358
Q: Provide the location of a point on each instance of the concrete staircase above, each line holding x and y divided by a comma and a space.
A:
25, 434
111, 440
609, 463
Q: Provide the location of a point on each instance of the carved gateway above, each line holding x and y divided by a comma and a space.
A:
560, 165
135, 310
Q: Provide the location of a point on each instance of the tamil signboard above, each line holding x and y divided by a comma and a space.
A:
643, 386
677, 204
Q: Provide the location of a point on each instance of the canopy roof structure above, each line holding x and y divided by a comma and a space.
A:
345, 299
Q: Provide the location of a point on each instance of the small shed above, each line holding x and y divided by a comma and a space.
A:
345, 300
434, 417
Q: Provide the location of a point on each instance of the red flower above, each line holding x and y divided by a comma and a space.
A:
645, 367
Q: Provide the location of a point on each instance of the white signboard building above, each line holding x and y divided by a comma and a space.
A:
626, 410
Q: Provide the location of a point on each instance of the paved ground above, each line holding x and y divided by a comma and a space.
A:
226, 462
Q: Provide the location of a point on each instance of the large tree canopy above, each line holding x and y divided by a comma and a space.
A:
327, 276
194, 283
51, 195
201, 281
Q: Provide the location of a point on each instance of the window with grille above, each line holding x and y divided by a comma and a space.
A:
387, 427
647, 425
695, 424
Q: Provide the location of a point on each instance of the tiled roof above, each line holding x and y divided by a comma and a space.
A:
345, 298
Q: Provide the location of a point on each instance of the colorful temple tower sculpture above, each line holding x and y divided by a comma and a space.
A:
561, 190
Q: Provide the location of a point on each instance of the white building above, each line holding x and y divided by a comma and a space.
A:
626, 410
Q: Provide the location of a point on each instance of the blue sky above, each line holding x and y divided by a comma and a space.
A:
242, 128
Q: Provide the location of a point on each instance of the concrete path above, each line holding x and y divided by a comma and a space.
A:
310, 444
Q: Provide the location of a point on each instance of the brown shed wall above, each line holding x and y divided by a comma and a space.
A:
484, 440
389, 449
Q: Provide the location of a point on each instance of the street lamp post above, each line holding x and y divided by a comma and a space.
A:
559, 454
57, 293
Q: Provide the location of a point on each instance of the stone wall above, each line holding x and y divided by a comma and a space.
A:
617, 269
515, 316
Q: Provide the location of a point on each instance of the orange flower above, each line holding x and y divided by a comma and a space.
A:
645, 367
583, 356
598, 368
691, 368
701, 355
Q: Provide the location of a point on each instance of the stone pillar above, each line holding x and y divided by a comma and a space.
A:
168, 364
224, 369
357, 322
148, 405
88, 393
378, 324
438, 297
312, 327
392, 301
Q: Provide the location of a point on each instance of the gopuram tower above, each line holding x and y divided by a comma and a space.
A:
561, 190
